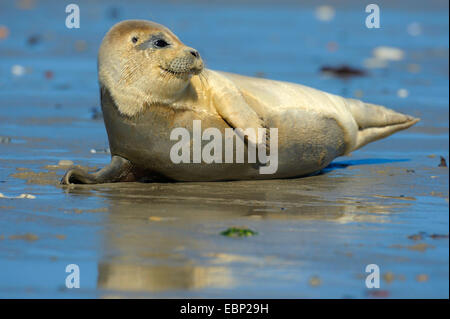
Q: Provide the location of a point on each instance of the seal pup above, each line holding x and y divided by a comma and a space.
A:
151, 83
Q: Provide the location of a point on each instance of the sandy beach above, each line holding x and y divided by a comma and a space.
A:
386, 204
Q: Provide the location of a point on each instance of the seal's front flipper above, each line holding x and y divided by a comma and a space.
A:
234, 109
119, 170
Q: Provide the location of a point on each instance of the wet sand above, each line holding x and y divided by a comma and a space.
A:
386, 204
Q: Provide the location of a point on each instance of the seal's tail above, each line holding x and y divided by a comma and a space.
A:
376, 121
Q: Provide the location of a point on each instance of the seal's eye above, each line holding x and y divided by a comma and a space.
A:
160, 43
134, 39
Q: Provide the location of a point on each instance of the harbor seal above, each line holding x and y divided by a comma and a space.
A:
151, 83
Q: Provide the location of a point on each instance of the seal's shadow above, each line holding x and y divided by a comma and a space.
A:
367, 161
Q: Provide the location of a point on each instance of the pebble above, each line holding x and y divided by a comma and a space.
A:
422, 278
342, 71
18, 70
34, 39
402, 93
28, 196
439, 236
27, 237
388, 53
5, 140
389, 277
65, 163
100, 151
418, 236
48, 74
4, 32
315, 281
443, 163
325, 13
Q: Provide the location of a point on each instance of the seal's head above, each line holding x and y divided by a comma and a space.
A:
141, 62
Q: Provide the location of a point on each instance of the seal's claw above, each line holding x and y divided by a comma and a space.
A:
77, 176
267, 133
119, 170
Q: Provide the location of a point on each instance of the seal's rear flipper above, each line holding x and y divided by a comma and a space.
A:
119, 170
371, 134
376, 121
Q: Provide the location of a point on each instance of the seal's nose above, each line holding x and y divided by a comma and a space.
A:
195, 53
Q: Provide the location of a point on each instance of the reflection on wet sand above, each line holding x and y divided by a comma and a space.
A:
163, 237
128, 277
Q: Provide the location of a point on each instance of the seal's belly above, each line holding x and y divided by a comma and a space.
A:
306, 144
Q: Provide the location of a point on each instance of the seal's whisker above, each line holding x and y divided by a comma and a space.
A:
202, 75
201, 80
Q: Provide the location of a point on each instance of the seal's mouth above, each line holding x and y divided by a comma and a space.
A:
182, 73
174, 72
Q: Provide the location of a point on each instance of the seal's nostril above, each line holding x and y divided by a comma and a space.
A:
195, 53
